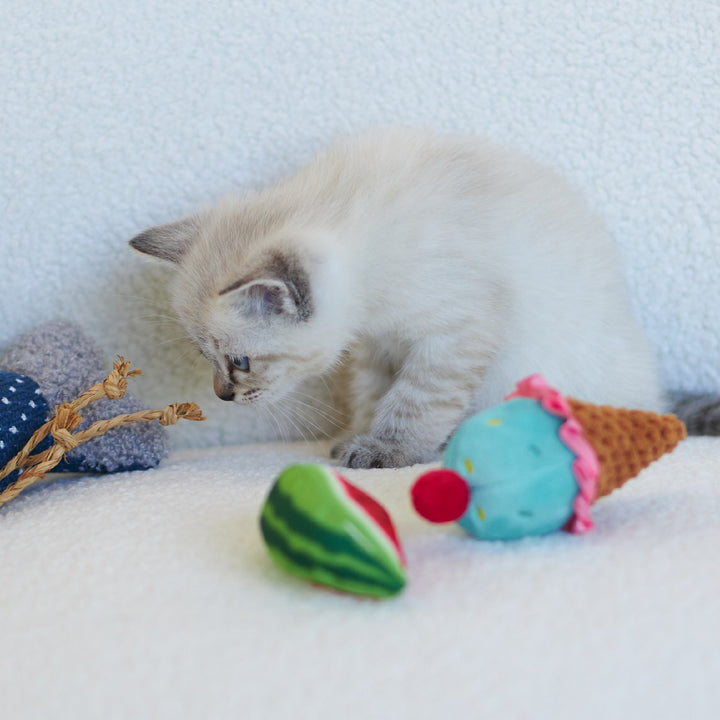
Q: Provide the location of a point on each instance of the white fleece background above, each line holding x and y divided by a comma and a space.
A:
116, 116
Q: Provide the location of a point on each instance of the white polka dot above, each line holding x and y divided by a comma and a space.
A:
12, 389
5, 401
2, 444
37, 392
19, 380
23, 416
31, 404
13, 430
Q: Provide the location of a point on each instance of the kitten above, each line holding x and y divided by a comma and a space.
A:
445, 267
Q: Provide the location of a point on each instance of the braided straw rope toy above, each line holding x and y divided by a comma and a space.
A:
67, 418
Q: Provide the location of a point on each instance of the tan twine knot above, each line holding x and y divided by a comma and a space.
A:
169, 415
67, 418
64, 438
187, 411
115, 384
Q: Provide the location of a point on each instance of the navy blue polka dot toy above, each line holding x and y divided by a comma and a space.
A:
23, 410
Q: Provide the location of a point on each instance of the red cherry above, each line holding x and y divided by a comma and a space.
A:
440, 495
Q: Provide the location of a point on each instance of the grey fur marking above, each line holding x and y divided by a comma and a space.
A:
166, 242
287, 268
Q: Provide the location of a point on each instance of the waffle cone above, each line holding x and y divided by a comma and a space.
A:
625, 441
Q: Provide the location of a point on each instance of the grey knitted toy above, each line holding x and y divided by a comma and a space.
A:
64, 363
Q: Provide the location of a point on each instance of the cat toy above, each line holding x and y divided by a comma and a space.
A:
538, 461
323, 529
25, 468
51, 364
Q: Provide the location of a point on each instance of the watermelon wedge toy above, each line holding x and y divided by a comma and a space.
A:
323, 529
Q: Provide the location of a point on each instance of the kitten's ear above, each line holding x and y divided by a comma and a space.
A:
167, 242
281, 288
264, 297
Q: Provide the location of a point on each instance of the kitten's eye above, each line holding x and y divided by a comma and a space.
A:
241, 363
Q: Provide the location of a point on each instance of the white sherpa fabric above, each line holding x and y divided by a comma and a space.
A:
117, 116
150, 595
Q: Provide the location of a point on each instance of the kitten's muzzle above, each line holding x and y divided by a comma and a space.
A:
251, 395
223, 390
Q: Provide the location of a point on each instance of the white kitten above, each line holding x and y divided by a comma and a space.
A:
447, 267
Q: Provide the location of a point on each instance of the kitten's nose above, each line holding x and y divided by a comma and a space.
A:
226, 394
223, 391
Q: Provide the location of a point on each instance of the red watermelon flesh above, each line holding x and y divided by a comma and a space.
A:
376, 511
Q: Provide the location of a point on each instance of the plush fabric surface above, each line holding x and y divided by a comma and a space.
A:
117, 117
150, 595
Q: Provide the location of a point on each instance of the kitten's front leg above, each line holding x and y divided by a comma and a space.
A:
426, 402
371, 377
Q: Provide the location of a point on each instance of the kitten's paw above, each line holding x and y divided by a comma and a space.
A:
342, 441
367, 451
338, 450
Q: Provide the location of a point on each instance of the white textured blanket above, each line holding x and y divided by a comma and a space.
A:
150, 595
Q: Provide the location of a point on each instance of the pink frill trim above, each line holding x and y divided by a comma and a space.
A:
586, 466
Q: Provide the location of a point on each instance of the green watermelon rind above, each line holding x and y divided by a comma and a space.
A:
339, 545
334, 541
316, 561
309, 567
296, 482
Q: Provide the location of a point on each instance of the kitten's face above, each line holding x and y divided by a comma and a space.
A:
250, 314
259, 351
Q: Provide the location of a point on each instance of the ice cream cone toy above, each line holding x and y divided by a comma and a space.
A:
538, 461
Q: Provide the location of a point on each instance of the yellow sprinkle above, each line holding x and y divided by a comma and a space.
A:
494, 422
468, 465
480, 513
